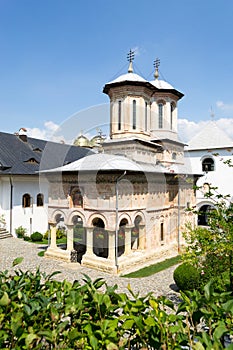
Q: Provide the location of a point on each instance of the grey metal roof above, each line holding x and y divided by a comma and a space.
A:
109, 162
26, 158
210, 137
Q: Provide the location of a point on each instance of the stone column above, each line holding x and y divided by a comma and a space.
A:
70, 238
142, 237
89, 241
53, 236
111, 245
127, 240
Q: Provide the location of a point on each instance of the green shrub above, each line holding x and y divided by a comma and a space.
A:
20, 231
36, 237
47, 234
26, 238
187, 277
61, 232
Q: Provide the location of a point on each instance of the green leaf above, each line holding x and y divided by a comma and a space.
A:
29, 338
128, 324
17, 261
112, 346
198, 346
5, 300
219, 331
228, 306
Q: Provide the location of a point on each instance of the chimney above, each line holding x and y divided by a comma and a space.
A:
23, 134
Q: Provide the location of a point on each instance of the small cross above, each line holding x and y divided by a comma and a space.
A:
156, 66
130, 55
212, 115
157, 63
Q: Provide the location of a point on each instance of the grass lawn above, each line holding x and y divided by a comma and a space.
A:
152, 269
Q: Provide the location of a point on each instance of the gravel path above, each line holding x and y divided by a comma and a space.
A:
11, 248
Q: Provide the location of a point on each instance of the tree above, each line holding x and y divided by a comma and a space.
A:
210, 249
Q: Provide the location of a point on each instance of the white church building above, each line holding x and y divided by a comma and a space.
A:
208, 152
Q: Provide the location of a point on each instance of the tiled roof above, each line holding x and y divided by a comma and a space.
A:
210, 137
26, 158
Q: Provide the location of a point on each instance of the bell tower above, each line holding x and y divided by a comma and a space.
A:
164, 111
130, 104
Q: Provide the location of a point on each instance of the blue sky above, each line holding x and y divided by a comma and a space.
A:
56, 56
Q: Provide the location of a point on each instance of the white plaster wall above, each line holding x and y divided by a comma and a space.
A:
221, 177
34, 218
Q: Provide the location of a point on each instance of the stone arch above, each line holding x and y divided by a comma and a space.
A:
100, 236
141, 215
55, 215
138, 232
127, 217
97, 216
77, 220
76, 213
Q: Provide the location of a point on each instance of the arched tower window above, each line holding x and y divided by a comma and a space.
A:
208, 164
161, 232
26, 200
134, 114
119, 115
171, 115
160, 107
40, 200
146, 116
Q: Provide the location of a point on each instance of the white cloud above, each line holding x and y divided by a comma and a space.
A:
188, 129
226, 107
49, 132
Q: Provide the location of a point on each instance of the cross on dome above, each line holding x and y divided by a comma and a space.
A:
130, 58
156, 66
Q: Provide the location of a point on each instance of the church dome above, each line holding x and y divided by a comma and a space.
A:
161, 84
82, 141
128, 77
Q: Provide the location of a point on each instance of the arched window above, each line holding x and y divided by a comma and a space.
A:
134, 114
171, 115
77, 197
26, 200
208, 164
161, 232
119, 115
145, 116
40, 200
160, 106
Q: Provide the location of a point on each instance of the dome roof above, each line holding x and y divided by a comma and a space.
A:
128, 77
161, 84
81, 141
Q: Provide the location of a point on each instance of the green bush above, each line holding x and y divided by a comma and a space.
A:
36, 237
20, 231
187, 277
26, 238
47, 234
38, 312
61, 232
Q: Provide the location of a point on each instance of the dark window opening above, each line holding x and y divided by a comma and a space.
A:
161, 232
208, 164
26, 200
40, 200
119, 115
134, 114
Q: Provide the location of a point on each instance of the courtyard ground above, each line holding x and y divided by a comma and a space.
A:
161, 283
